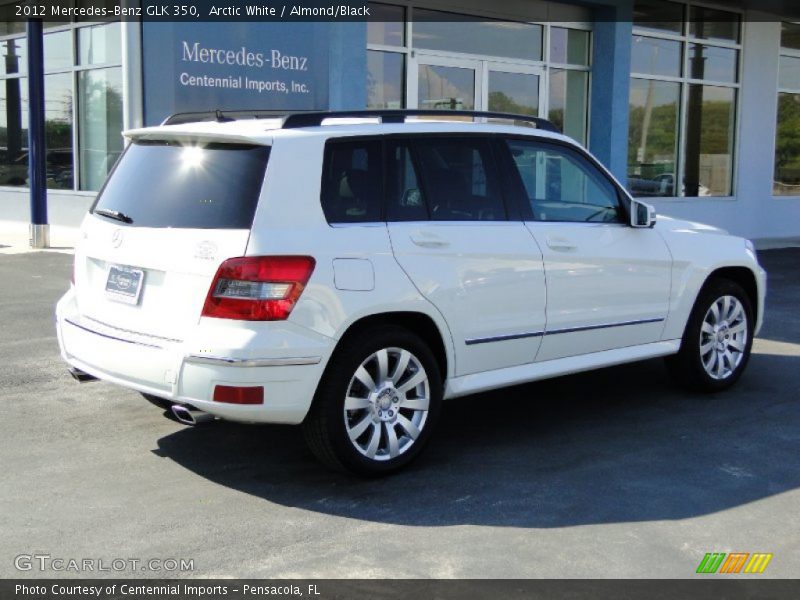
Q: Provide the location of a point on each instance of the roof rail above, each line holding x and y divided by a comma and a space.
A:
315, 118
297, 119
222, 116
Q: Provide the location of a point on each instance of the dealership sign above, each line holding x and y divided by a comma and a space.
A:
255, 65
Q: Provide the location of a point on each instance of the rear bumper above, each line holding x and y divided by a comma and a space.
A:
285, 359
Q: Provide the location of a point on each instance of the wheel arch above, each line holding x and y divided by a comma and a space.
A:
419, 323
744, 277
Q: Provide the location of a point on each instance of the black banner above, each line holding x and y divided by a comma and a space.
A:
401, 589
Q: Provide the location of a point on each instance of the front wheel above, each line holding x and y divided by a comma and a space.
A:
377, 403
718, 338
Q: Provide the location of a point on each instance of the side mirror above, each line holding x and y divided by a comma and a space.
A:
642, 214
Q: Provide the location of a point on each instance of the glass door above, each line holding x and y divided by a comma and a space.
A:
454, 83
444, 83
513, 89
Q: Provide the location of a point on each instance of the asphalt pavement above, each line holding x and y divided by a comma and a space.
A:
614, 473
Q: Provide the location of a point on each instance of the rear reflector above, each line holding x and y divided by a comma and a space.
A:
239, 395
258, 288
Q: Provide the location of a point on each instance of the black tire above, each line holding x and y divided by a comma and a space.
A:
687, 366
162, 403
326, 429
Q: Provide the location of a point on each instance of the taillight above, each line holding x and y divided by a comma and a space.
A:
258, 288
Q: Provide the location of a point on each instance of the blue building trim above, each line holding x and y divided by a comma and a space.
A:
348, 66
37, 152
610, 89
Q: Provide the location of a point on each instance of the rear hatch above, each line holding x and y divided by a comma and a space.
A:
169, 214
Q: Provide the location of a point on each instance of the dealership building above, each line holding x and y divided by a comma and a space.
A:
695, 106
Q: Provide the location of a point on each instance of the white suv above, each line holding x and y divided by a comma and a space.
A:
350, 271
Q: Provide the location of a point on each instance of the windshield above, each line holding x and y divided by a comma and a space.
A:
185, 185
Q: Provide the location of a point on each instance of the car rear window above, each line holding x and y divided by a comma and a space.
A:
182, 185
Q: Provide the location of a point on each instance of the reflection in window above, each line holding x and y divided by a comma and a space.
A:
568, 99
459, 33
713, 63
58, 50
58, 130
709, 140
15, 56
676, 149
657, 15
446, 88
787, 146
14, 131
560, 185
386, 25
516, 93
653, 137
569, 46
653, 56
385, 79
100, 124
99, 45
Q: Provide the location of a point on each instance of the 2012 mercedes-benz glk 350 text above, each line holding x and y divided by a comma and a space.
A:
351, 271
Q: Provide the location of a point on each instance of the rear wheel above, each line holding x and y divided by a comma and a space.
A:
377, 403
718, 338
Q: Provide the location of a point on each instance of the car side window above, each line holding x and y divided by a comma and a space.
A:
405, 200
351, 181
561, 185
459, 177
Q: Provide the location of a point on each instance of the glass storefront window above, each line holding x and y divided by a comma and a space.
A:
58, 101
15, 56
516, 93
787, 141
99, 45
83, 92
713, 63
568, 102
712, 24
569, 46
790, 36
385, 79
386, 25
789, 72
787, 146
654, 56
14, 131
58, 51
653, 137
100, 119
658, 16
448, 88
708, 149
683, 101
433, 31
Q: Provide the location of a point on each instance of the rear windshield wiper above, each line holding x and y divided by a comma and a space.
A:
113, 214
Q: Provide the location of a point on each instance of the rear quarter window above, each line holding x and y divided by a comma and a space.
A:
182, 185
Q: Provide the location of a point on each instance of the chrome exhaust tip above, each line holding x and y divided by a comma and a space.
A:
188, 415
81, 376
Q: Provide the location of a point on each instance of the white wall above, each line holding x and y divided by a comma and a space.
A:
63, 208
754, 212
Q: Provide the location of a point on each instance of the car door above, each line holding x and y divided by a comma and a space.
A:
450, 232
608, 283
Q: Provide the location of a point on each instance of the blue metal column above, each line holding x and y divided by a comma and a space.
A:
611, 75
37, 168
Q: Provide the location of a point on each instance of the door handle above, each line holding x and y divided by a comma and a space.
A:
560, 243
426, 239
